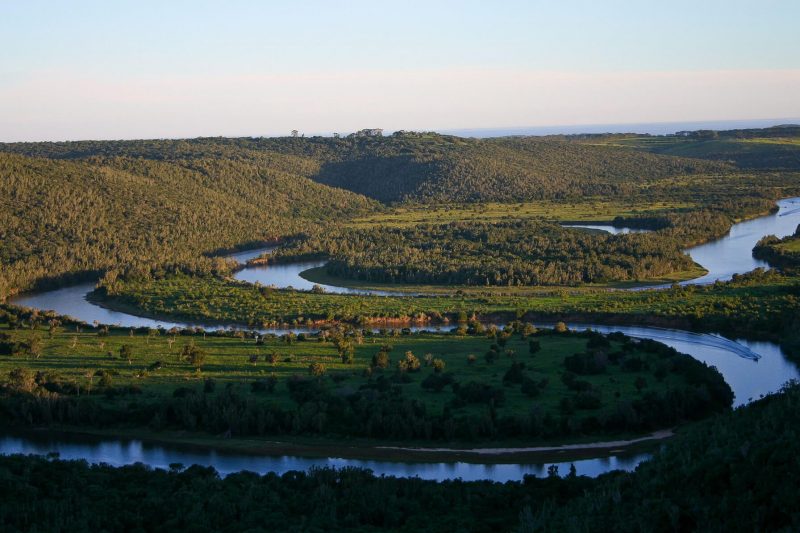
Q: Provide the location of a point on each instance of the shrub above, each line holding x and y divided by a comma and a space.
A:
410, 363
316, 369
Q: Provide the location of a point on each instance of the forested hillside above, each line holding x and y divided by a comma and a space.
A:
76, 217
82, 208
423, 167
776, 148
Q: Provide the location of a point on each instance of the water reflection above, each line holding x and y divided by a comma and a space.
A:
607, 228
732, 254
119, 452
288, 275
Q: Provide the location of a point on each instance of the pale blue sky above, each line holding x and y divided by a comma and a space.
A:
117, 69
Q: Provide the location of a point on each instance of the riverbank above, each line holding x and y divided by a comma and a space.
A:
358, 449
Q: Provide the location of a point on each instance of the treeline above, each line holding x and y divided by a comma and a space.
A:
737, 472
71, 219
512, 253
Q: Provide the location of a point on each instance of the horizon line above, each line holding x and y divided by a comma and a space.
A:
463, 131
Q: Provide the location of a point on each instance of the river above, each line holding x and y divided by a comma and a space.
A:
752, 369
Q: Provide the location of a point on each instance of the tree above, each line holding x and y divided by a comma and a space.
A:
316, 369
438, 365
197, 358
105, 378
534, 347
410, 363
22, 379
560, 327
193, 355
35, 346
126, 353
381, 359
345, 348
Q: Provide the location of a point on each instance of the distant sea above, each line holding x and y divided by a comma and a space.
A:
653, 128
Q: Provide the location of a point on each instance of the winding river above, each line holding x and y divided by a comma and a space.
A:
751, 368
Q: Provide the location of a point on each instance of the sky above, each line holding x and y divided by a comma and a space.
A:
120, 69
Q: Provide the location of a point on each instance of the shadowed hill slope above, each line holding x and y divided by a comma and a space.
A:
65, 217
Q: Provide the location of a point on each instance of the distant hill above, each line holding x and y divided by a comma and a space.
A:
775, 148
419, 167
60, 217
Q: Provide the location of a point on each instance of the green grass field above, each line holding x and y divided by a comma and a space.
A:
791, 246
587, 210
77, 356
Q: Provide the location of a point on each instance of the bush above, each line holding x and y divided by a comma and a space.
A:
534, 347
264, 385
381, 359
410, 363
590, 399
474, 392
584, 363
436, 382
514, 374
316, 369
529, 387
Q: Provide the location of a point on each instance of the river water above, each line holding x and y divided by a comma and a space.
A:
752, 369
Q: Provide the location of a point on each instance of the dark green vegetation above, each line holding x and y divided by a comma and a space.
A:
761, 304
776, 148
505, 253
514, 253
422, 166
81, 209
79, 218
147, 215
738, 472
782, 253
476, 384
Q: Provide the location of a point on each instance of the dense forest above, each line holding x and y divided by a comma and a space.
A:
505, 253
737, 472
425, 167
67, 218
524, 252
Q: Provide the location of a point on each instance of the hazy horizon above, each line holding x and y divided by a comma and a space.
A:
151, 69
643, 128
